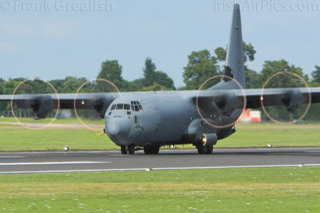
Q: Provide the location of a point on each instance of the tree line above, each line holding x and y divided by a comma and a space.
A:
201, 65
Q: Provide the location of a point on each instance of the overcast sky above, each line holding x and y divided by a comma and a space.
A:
54, 39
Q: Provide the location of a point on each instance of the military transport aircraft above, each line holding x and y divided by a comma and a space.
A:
154, 119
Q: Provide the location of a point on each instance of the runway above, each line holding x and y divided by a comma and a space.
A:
94, 161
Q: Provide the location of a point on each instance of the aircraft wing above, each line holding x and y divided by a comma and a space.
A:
289, 97
274, 97
42, 104
221, 107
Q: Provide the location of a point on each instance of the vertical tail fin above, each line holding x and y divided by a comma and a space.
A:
234, 61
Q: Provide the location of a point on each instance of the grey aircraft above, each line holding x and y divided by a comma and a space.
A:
154, 119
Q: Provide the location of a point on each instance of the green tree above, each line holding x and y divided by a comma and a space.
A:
152, 76
252, 79
248, 53
154, 87
316, 75
164, 80
112, 71
58, 84
201, 66
149, 72
1, 86
3, 106
270, 68
10, 85
220, 53
72, 84
136, 85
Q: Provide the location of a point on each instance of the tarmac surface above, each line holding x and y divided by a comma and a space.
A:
95, 161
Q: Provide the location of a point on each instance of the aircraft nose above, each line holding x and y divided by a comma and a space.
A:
118, 128
113, 129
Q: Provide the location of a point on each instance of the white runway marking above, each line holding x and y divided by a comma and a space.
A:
158, 169
53, 163
8, 157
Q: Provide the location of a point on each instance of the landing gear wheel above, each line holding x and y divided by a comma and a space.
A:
204, 149
151, 150
131, 149
124, 150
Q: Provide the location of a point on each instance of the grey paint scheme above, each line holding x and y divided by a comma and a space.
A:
235, 47
171, 117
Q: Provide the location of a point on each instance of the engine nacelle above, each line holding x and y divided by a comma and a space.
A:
100, 104
292, 100
41, 105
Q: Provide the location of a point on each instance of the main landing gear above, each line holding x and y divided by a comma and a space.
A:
128, 149
148, 150
204, 148
124, 150
131, 148
205, 145
151, 150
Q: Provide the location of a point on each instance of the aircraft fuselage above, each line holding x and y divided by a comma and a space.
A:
156, 118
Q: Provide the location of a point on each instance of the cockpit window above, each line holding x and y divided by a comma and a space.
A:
119, 106
136, 106
127, 107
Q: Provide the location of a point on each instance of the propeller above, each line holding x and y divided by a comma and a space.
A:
105, 92
293, 104
40, 105
292, 100
221, 107
222, 110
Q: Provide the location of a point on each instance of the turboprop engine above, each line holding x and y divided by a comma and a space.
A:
221, 110
292, 100
41, 105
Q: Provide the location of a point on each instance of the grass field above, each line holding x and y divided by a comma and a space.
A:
224, 190
15, 138
259, 135
221, 190
55, 121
